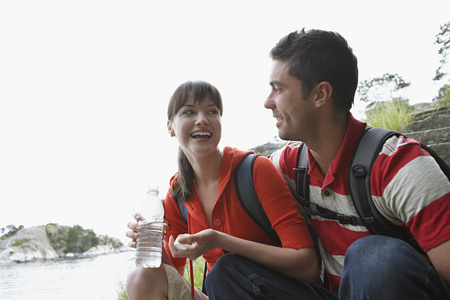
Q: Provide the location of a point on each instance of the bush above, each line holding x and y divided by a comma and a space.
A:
20, 243
393, 115
76, 239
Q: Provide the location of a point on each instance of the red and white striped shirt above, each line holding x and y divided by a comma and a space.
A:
407, 187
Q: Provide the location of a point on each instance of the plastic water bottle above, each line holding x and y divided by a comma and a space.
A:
149, 242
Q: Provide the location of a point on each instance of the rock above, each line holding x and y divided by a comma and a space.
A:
429, 119
26, 245
432, 128
98, 250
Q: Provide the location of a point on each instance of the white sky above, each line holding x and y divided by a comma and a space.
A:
84, 87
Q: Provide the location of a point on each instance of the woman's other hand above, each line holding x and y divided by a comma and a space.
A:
133, 234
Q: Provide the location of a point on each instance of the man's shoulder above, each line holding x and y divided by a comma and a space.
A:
285, 158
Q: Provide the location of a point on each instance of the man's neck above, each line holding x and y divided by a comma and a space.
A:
326, 146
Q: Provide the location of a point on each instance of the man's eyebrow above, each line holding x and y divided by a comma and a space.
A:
275, 82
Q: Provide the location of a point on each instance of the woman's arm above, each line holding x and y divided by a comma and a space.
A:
300, 264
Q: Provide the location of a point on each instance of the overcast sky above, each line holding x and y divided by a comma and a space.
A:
84, 87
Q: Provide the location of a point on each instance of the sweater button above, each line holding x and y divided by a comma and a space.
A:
217, 222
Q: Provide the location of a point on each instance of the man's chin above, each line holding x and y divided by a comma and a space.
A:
282, 135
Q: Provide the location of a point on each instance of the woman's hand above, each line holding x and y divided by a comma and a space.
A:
199, 243
135, 229
133, 234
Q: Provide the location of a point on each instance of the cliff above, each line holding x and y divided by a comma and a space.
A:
431, 127
30, 244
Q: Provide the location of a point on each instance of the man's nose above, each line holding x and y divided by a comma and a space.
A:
269, 103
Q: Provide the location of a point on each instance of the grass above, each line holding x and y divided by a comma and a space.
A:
199, 267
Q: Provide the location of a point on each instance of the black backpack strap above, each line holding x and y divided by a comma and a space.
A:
245, 190
367, 149
312, 209
182, 208
302, 178
302, 188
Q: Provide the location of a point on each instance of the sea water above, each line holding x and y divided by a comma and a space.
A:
99, 277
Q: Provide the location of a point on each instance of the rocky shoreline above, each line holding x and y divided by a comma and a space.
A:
32, 244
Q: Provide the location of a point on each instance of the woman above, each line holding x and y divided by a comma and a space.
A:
217, 223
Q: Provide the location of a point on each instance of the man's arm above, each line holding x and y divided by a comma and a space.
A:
440, 258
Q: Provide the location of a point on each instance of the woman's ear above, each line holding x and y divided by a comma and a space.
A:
170, 129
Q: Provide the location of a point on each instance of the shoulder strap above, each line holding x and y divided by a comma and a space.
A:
182, 208
366, 151
245, 190
312, 209
302, 178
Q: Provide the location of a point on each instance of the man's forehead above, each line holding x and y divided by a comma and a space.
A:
280, 69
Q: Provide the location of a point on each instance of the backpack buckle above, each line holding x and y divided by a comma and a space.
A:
359, 171
369, 220
344, 219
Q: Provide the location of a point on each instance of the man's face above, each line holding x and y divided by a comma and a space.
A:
293, 112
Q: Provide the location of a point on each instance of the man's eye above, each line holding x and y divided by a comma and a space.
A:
275, 89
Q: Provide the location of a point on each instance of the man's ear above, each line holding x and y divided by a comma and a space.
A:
170, 129
324, 90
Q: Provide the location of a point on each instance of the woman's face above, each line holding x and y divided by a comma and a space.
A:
197, 126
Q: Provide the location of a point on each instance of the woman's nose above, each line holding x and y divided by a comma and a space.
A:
201, 119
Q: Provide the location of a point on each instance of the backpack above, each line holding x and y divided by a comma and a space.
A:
366, 151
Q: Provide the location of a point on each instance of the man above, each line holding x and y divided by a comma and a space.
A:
313, 80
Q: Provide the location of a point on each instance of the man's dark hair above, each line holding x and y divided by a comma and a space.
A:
315, 56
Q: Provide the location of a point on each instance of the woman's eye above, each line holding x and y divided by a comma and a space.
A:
213, 112
187, 112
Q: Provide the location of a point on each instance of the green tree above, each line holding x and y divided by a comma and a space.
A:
11, 230
381, 88
80, 240
443, 40
443, 97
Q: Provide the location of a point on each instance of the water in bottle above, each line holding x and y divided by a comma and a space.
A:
149, 242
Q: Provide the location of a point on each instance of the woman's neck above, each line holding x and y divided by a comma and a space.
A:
207, 168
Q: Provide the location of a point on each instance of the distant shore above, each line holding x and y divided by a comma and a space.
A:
52, 241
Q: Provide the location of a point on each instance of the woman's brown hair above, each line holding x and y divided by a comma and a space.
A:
182, 183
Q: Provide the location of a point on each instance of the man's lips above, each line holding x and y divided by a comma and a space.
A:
279, 119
